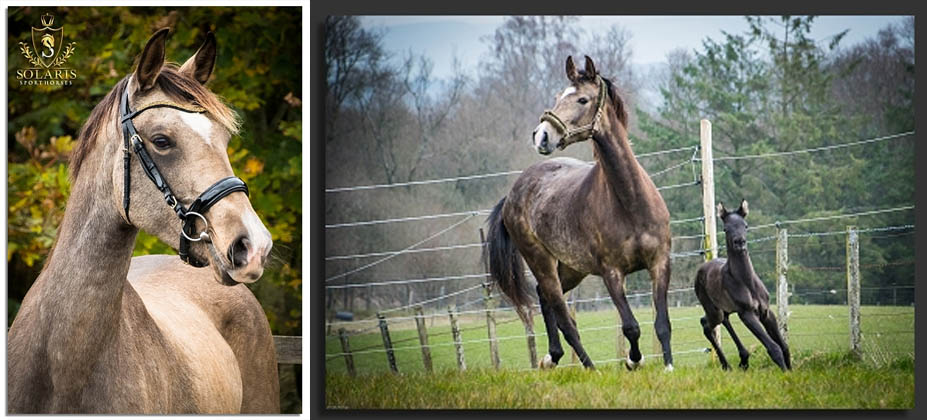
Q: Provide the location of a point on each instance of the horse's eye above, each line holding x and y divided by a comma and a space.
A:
583, 101
161, 142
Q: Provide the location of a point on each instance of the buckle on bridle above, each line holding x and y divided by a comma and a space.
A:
171, 201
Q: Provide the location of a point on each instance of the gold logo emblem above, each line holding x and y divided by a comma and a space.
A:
48, 55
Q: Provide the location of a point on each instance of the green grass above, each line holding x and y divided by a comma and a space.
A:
824, 375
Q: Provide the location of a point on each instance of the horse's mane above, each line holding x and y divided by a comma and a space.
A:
175, 85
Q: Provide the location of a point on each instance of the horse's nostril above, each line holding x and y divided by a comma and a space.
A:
544, 139
238, 252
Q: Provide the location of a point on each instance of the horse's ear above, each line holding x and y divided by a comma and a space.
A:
722, 212
590, 68
151, 60
743, 210
571, 71
200, 65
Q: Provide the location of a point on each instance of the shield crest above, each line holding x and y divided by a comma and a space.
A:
47, 42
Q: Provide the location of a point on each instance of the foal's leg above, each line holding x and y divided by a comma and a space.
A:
710, 321
744, 354
614, 282
772, 328
660, 277
752, 321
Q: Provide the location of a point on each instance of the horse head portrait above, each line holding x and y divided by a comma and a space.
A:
102, 332
177, 132
578, 110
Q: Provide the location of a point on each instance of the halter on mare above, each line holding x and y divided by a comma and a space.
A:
578, 133
187, 215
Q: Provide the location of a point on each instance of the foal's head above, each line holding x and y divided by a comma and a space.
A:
579, 111
735, 226
190, 151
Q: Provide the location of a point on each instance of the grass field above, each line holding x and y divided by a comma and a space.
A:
824, 374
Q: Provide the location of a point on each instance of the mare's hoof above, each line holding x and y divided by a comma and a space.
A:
547, 362
668, 368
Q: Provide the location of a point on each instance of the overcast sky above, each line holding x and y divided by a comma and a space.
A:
439, 37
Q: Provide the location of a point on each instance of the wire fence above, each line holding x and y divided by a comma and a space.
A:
594, 334
687, 253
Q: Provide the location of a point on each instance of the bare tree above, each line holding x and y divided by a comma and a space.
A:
354, 58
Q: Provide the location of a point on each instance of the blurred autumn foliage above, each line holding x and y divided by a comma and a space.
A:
258, 73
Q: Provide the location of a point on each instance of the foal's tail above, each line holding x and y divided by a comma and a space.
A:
505, 264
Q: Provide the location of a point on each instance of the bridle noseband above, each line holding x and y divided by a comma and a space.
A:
572, 135
187, 215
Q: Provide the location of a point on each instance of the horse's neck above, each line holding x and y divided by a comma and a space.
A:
740, 265
619, 170
79, 301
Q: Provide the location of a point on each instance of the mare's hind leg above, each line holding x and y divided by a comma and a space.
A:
569, 278
614, 282
660, 277
741, 350
554, 350
550, 293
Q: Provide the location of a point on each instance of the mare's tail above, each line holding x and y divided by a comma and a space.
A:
505, 264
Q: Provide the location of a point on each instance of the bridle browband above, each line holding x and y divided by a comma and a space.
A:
187, 215
572, 135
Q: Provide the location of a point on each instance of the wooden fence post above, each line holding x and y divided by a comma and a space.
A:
491, 329
782, 282
619, 342
490, 306
529, 335
708, 192
423, 338
458, 342
346, 349
369, 295
387, 343
853, 288
572, 305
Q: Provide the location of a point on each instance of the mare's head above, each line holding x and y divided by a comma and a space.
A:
189, 150
735, 226
579, 111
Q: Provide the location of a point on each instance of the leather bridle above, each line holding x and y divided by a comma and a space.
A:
200, 205
572, 135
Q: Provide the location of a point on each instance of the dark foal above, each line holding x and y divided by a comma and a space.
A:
726, 285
